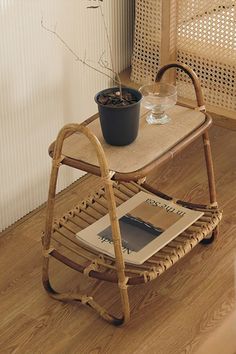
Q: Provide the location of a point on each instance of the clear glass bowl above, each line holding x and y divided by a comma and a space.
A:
158, 97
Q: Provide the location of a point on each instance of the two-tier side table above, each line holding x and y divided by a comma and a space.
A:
123, 171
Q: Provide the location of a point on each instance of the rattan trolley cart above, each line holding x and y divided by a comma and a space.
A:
121, 180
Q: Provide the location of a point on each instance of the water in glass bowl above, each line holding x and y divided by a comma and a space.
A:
158, 97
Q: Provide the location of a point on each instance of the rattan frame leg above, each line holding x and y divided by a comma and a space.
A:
82, 298
211, 181
47, 252
206, 140
209, 166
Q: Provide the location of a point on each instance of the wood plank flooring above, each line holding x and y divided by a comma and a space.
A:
189, 309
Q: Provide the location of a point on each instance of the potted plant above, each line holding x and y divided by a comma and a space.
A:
119, 107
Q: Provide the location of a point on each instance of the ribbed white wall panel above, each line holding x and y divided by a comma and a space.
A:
43, 87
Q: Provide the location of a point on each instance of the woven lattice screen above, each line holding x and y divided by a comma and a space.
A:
200, 33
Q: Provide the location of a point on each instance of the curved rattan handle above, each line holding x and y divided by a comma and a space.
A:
190, 73
57, 158
105, 175
73, 128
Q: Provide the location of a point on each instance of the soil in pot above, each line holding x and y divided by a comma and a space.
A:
115, 99
119, 116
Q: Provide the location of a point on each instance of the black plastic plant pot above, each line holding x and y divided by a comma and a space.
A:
119, 124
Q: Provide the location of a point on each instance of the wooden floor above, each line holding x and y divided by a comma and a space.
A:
189, 309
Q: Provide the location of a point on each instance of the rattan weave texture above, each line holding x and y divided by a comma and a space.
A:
94, 207
204, 33
146, 53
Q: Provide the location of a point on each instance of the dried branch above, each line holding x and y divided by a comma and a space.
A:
77, 57
108, 39
109, 44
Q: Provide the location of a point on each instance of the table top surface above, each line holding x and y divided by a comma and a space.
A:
154, 143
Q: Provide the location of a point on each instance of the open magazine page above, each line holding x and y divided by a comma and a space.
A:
141, 225
147, 223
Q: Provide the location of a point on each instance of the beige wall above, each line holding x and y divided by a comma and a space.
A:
43, 87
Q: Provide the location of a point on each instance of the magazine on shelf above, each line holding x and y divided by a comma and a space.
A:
147, 223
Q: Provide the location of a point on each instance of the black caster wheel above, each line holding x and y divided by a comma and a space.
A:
208, 241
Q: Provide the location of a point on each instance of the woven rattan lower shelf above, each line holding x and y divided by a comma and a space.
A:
94, 264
